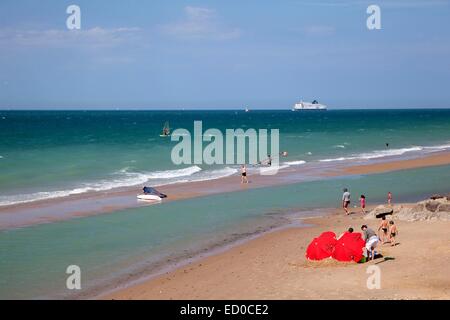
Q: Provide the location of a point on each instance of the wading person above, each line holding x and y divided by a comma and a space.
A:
346, 200
244, 174
389, 198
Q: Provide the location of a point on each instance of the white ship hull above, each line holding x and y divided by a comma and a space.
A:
309, 106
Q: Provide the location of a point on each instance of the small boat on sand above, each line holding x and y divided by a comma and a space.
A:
151, 194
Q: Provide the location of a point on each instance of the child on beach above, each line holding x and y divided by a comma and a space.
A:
362, 201
389, 198
393, 232
244, 174
384, 230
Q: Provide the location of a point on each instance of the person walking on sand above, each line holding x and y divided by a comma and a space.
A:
389, 198
346, 200
393, 232
371, 241
244, 174
362, 201
383, 229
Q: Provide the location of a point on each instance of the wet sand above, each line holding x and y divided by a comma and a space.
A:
435, 160
88, 204
274, 266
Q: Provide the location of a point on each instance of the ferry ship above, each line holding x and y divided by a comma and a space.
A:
309, 106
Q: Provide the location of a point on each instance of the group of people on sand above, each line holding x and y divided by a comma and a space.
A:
372, 239
362, 201
387, 230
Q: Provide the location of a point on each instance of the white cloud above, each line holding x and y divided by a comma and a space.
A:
382, 3
200, 23
50, 38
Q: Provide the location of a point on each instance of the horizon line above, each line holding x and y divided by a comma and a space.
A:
208, 109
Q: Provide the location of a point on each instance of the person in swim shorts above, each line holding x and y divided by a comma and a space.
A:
244, 174
393, 232
383, 229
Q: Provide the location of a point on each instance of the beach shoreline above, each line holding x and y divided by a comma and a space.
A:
273, 266
83, 205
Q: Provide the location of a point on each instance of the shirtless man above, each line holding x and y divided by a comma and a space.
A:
393, 232
384, 227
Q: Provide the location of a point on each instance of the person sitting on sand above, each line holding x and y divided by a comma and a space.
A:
362, 201
244, 174
371, 241
393, 232
383, 228
346, 200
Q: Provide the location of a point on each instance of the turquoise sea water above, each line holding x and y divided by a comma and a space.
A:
51, 154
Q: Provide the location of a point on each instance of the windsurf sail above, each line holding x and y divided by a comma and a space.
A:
166, 129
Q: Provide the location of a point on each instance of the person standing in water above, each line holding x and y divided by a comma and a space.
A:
346, 200
389, 198
269, 160
244, 174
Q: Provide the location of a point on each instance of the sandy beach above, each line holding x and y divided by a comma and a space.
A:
89, 204
274, 266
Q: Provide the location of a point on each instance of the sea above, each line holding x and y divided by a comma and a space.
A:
56, 154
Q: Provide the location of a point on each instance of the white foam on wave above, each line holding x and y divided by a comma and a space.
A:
214, 174
375, 154
126, 178
294, 163
121, 179
339, 146
437, 148
170, 174
389, 153
272, 169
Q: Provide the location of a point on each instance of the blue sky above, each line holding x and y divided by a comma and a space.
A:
224, 54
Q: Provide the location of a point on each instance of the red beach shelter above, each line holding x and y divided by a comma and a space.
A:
349, 247
321, 247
